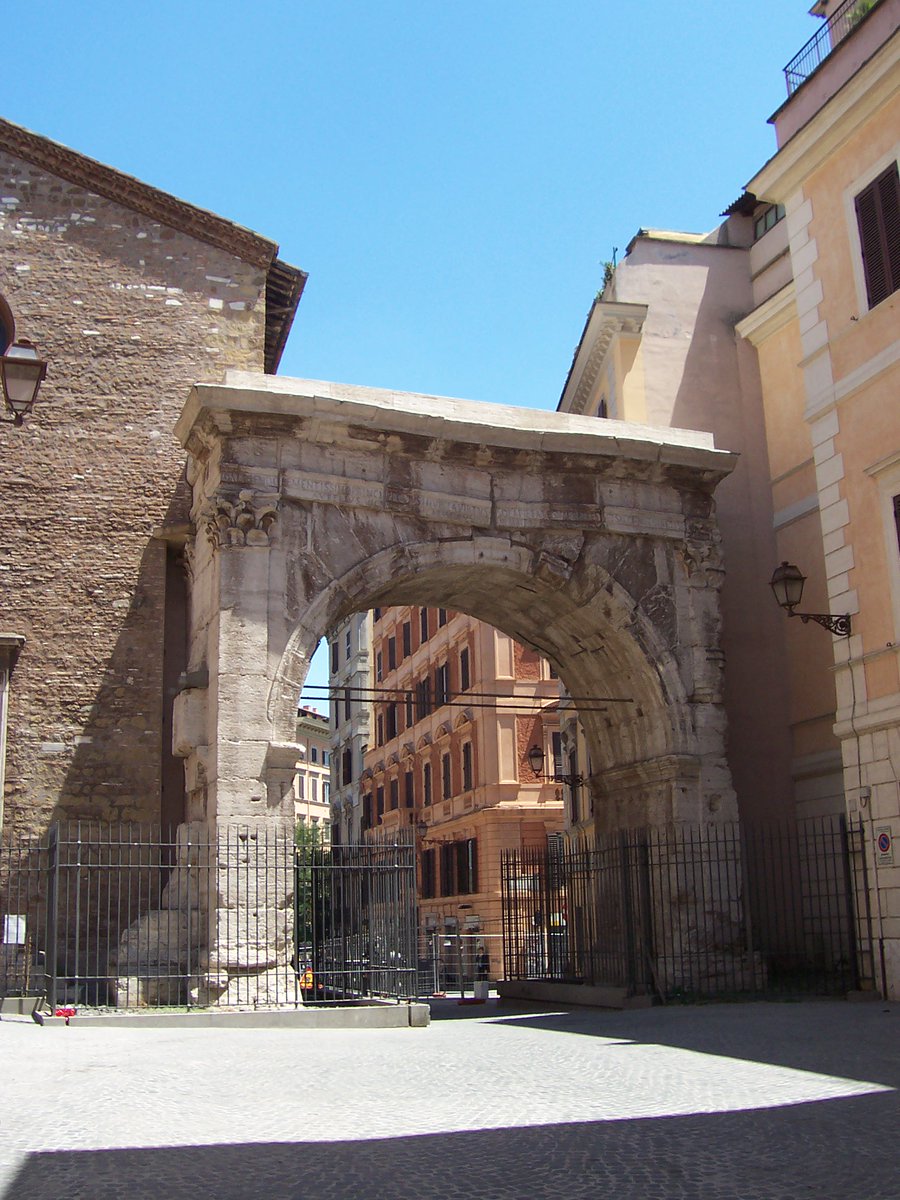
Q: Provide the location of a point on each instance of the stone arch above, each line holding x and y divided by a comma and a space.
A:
594, 543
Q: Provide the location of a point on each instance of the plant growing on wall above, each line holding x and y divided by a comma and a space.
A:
860, 10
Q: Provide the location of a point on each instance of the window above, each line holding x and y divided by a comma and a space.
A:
409, 784
466, 866
347, 704
301, 787
465, 681
379, 730
441, 685
347, 766
334, 656
391, 720
379, 802
326, 792
573, 791
409, 709
448, 860
467, 766
442, 617
426, 784
556, 739
423, 625
313, 754
423, 699
367, 811
767, 220
428, 874
878, 217
348, 645
446, 781
395, 793
326, 759
379, 665
376, 614
392, 654
407, 639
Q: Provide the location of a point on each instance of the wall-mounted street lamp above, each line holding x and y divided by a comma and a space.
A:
787, 583
536, 762
21, 374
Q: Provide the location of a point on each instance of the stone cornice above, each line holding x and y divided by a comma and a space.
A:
443, 424
605, 321
773, 314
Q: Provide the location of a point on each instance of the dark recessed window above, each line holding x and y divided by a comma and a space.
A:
768, 220
878, 217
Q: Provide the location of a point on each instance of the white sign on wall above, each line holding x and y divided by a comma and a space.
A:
13, 930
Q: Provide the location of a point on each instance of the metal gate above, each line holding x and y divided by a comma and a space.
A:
355, 921
725, 910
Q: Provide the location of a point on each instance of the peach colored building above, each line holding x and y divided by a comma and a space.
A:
312, 783
459, 704
659, 347
825, 327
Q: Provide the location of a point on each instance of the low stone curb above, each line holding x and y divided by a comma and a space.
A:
370, 1016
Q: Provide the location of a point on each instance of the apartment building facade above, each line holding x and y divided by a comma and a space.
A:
350, 682
459, 706
825, 326
312, 783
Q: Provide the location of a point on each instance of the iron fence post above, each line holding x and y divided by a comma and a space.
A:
52, 914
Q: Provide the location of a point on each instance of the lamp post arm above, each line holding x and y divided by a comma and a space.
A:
838, 625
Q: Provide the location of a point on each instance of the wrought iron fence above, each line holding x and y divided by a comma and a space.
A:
355, 920
125, 917
842, 21
696, 911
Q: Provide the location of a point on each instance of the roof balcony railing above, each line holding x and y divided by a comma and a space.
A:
842, 21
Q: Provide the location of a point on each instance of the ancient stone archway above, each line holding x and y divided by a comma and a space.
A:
594, 542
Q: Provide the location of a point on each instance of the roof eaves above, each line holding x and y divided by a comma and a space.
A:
140, 197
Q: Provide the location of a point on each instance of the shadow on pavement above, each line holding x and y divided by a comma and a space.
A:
830, 1037
828, 1149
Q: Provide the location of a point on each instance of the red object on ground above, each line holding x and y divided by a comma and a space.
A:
65, 1012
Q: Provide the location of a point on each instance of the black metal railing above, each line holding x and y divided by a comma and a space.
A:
842, 21
695, 911
125, 916
355, 920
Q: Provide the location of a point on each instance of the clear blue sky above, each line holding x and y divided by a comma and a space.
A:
452, 176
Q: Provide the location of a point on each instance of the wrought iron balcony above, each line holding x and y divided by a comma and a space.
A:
842, 21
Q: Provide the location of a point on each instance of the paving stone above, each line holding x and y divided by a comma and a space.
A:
753, 1101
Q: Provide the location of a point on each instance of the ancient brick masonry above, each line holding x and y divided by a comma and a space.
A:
131, 296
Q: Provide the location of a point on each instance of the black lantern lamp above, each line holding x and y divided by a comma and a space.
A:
787, 585
536, 762
21, 373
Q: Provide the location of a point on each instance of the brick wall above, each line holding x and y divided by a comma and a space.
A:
129, 313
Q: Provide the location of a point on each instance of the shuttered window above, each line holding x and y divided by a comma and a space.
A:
878, 215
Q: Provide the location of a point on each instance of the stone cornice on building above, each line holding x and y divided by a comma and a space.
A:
605, 320
439, 423
770, 316
284, 283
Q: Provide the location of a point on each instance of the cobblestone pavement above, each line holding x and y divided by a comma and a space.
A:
751, 1101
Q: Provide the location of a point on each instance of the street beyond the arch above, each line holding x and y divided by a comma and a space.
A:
758, 1101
